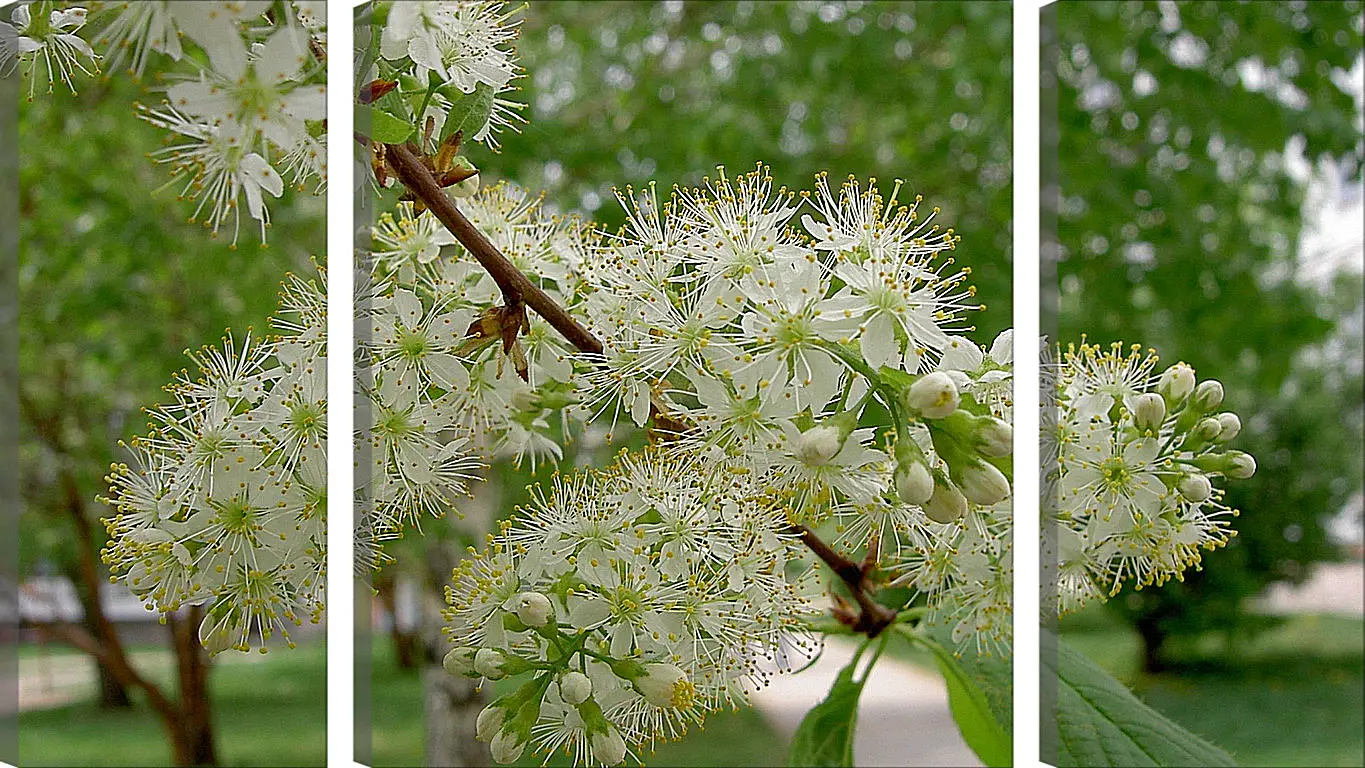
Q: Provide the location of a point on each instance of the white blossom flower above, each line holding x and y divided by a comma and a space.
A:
47, 44
225, 502
1133, 493
638, 565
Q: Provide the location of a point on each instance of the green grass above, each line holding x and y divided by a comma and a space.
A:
1292, 696
271, 711
740, 738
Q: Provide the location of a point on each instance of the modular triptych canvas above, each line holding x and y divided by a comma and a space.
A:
680, 344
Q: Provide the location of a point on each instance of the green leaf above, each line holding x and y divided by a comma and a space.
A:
381, 126
825, 736
1101, 723
971, 709
468, 111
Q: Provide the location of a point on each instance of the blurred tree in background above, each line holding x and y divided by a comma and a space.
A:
114, 286
1187, 135
624, 92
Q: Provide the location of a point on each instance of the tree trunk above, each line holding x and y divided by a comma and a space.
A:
1153, 638
86, 581
113, 693
192, 730
452, 703
406, 642
452, 706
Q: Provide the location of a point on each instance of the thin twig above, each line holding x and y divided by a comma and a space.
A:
516, 288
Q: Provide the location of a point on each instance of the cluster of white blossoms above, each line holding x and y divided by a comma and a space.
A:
1130, 463
641, 597
225, 501
443, 389
828, 362
244, 116
636, 599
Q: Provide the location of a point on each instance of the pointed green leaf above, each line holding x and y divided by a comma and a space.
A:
825, 736
468, 111
381, 126
1101, 723
971, 708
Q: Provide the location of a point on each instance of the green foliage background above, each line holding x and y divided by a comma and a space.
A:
113, 286
624, 92
1192, 180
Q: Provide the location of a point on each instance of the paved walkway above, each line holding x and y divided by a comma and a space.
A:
53, 679
1334, 588
903, 716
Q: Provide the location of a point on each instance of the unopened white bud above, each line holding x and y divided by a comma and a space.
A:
1241, 465
914, 483
609, 748
489, 722
488, 663
665, 685
1232, 426
984, 484
459, 661
1195, 487
1149, 410
947, 504
506, 747
1208, 395
995, 438
465, 189
525, 399
534, 609
575, 688
933, 396
818, 445
1176, 383
1206, 429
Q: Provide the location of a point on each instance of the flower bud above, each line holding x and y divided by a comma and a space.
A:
609, 748
995, 438
459, 661
1206, 429
1232, 426
665, 685
525, 399
1208, 395
947, 504
575, 688
933, 396
465, 189
914, 484
984, 484
818, 445
1195, 487
506, 746
534, 609
489, 722
1149, 411
1176, 383
489, 663
1240, 465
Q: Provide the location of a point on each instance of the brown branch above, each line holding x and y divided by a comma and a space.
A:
872, 616
105, 645
416, 174
516, 288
